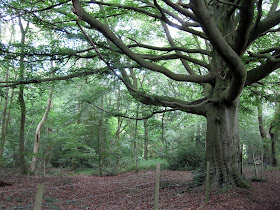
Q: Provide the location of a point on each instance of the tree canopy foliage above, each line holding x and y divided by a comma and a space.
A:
197, 56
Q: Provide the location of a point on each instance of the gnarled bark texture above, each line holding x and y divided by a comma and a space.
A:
222, 143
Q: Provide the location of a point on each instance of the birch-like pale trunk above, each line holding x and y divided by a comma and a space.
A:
38, 133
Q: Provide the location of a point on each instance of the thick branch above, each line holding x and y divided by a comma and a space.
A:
260, 13
105, 30
244, 27
38, 10
39, 80
233, 7
227, 53
267, 56
172, 48
270, 50
180, 9
178, 52
175, 104
184, 26
165, 101
136, 9
131, 118
228, 3
261, 72
264, 26
273, 7
176, 56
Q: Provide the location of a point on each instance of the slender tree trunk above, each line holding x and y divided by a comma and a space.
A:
273, 152
135, 85
192, 136
22, 163
260, 119
273, 137
5, 120
100, 139
6, 126
162, 128
38, 132
199, 139
146, 139
135, 141
263, 133
3, 134
118, 118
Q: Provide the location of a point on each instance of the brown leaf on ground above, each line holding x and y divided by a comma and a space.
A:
136, 191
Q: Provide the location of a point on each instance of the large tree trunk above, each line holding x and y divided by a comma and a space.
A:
222, 144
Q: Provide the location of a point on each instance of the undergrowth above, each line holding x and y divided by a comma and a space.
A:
148, 165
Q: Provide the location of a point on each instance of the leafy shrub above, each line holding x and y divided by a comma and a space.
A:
189, 156
74, 155
148, 164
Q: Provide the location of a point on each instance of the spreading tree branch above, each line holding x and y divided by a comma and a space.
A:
264, 26
105, 30
117, 114
169, 49
244, 26
227, 53
260, 72
40, 80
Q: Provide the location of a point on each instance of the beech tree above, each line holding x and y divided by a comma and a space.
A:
229, 28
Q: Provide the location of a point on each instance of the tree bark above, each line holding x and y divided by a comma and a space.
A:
38, 132
118, 118
273, 136
100, 139
3, 134
230, 28
273, 152
22, 164
260, 119
263, 133
3, 140
146, 139
222, 144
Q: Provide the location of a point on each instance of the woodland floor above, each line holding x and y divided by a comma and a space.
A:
135, 191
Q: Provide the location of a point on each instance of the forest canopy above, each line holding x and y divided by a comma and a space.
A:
193, 73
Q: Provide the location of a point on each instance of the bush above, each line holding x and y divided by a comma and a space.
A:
189, 156
149, 164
